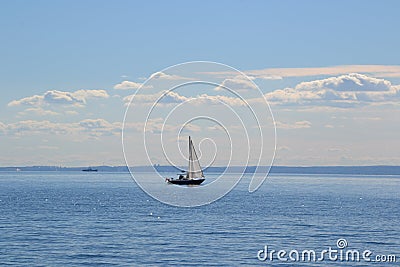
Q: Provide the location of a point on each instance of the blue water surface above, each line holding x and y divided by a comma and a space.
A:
105, 219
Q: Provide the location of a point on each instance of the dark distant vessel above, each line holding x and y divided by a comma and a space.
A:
90, 169
194, 175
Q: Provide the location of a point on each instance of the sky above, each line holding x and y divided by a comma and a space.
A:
328, 69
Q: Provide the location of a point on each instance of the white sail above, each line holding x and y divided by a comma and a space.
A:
194, 170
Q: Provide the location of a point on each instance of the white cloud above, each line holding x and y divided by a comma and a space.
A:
373, 70
90, 127
296, 125
38, 111
280, 73
192, 128
163, 97
171, 97
127, 99
3, 127
59, 97
84, 94
237, 83
216, 127
71, 112
350, 82
126, 85
100, 127
269, 77
164, 76
55, 97
37, 127
344, 90
217, 99
157, 125
366, 118
31, 100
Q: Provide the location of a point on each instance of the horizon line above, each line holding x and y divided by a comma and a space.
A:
170, 166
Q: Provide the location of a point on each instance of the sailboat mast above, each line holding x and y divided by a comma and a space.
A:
190, 159
190, 149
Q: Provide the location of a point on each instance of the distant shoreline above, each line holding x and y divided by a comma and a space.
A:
372, 170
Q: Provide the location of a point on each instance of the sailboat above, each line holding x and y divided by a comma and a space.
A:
194, 175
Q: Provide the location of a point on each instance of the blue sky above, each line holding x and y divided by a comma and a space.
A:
94, 45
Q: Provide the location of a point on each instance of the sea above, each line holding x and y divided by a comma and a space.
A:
105, 219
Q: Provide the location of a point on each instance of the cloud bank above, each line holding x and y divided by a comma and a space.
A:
237, 83
348, 89
170, 97
372, 70
290, 126
55, 97
164, 76
128, 85
87, 127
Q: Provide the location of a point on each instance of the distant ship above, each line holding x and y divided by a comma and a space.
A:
194, 175
90, 169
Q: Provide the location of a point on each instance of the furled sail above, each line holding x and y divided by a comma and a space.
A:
194, 170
